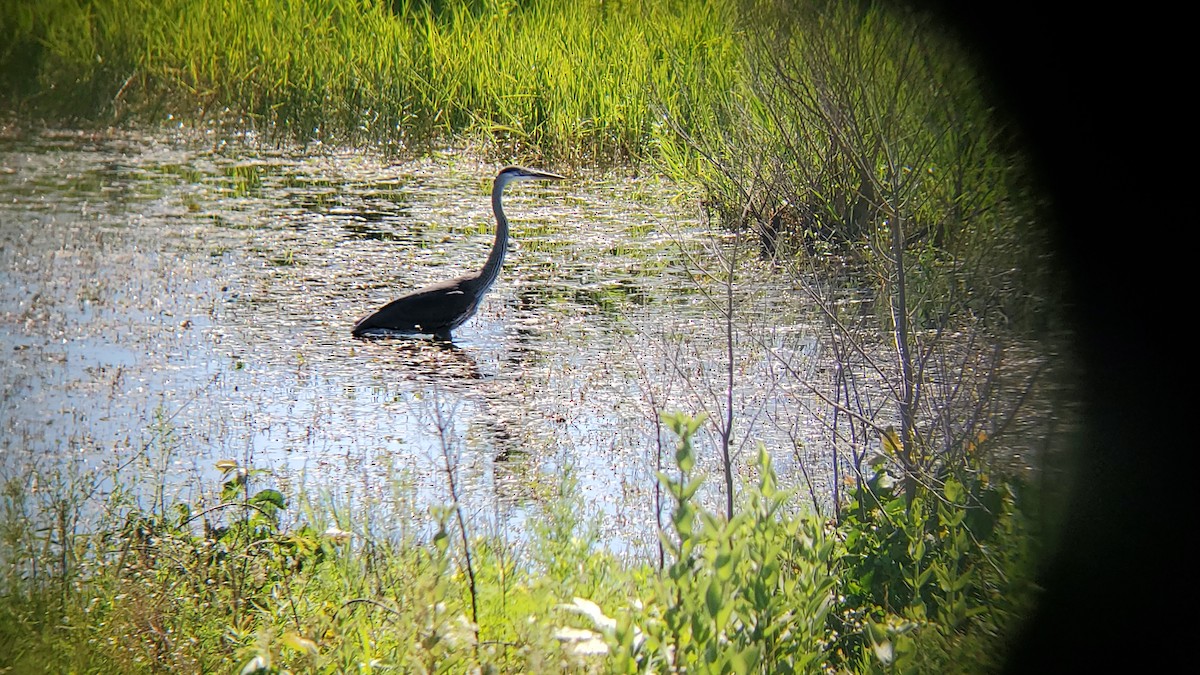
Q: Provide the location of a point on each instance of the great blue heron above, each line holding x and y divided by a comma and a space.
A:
439, 308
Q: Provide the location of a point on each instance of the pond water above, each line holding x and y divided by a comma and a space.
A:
170, 301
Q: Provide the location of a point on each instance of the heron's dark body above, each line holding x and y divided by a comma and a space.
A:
440, 308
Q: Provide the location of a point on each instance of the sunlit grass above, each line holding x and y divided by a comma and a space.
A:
578, 79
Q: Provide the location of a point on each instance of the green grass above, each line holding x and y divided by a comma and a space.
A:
570, 78
251, 583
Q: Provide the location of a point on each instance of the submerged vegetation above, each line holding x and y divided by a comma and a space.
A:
832, 136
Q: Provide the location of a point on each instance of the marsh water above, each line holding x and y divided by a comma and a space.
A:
167, 302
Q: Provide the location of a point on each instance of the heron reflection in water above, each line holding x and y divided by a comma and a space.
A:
440, 308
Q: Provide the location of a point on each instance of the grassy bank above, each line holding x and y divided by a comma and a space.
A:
565, 78
244, 581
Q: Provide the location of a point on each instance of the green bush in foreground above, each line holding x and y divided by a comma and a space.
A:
746, 595
936, 584
931, 588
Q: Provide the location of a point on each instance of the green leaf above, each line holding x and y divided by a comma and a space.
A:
917, 549
683, 517
724, 564
691, 488
953, 490
891, 441
684, 458
272, 497
299, 643
668, 482
876, 632
710, 522
232, 488
713, 598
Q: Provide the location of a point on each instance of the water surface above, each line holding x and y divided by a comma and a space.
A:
167, 302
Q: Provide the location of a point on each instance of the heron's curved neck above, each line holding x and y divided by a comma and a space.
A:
491, 269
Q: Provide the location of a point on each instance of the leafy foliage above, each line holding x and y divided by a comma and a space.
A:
856, 121
933, 585
749, 594
931, 581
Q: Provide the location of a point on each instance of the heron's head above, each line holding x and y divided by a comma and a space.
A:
510, 174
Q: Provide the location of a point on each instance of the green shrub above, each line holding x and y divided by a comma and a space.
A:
938, 583
746, 595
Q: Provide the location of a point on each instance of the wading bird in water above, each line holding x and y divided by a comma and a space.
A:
439, 308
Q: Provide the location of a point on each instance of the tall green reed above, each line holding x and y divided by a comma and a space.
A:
568, 79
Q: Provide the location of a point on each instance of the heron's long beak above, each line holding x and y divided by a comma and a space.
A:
534, 173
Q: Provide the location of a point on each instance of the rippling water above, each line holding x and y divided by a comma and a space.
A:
168, 302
